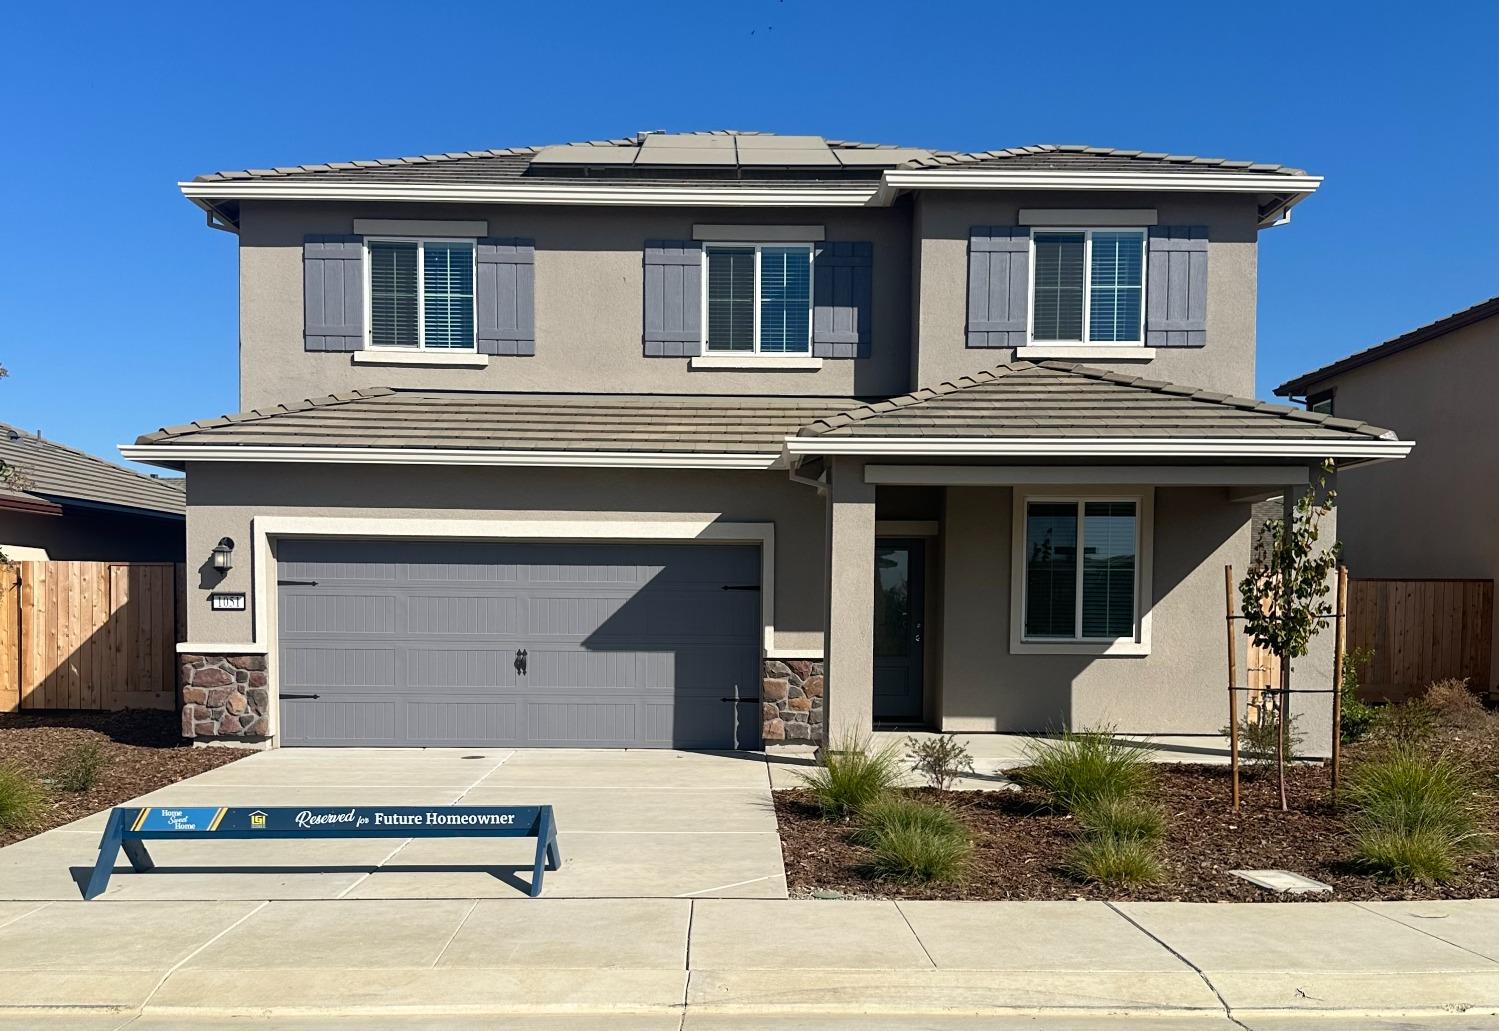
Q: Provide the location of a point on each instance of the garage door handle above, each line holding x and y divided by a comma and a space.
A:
296, 583
284, 695
736, 701
741, 587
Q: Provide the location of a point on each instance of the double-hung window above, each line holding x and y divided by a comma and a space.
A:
758, 299
1082, 569
1088, 286
421, 294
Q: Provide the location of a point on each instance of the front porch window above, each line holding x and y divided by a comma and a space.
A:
1082, 561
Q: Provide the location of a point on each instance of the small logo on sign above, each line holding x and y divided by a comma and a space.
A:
257, 819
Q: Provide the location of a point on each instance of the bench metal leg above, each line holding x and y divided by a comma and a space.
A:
109, 851
140, 859
546, 836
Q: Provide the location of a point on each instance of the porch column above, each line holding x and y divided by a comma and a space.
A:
848, 643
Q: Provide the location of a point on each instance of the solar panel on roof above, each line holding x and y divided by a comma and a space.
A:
780, 143
583, 154
689, 141
880, 157
800, 158
685, 156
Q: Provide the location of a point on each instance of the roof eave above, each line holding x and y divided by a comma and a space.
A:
175, 456
664, 194
1302, 450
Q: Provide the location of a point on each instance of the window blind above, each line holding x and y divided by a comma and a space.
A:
1058, 311
785, 300
393, 294
448, 295
731, 299
1051, 570
1117, 281
1108, 569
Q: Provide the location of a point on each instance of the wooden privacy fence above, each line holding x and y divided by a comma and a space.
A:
89, 635
1421, 631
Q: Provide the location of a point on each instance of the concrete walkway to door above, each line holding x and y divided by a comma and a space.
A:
632, 823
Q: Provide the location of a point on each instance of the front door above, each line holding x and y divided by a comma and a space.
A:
899, 606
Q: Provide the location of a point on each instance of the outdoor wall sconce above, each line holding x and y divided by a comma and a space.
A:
223, 555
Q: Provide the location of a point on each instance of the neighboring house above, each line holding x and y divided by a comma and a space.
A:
1435, 515
61, 503
715, 440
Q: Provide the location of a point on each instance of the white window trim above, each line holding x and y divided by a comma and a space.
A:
1137, 344
1136, 645
756, 357
421, 292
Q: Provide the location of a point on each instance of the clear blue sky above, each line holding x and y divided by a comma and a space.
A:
118, 306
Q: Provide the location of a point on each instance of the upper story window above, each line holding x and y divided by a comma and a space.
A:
1088, 286
421, 294
1320, 402
758, 299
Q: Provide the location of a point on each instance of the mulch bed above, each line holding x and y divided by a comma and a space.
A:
145, 751
1021, 845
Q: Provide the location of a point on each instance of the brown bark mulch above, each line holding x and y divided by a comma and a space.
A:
1021, 846
144, 749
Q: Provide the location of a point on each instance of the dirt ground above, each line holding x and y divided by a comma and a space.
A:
144, 751
1021, 844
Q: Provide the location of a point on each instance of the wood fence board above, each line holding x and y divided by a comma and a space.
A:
1421, 631
90, 635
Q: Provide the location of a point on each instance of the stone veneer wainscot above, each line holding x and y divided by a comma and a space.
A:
791, 692
224, 696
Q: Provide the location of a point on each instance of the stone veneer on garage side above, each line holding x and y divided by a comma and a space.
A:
224, 696
791, 693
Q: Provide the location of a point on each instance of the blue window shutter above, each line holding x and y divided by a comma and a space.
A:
998, 284
505, 296
332, 293
843, 300
673, 298
1176, 291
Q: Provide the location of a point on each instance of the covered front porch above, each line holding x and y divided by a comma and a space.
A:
1012, 554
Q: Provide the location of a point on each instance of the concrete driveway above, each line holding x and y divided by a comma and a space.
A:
632, 823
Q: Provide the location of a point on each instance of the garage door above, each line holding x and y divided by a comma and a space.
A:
471, 643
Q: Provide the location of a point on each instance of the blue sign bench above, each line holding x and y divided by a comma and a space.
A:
130, 828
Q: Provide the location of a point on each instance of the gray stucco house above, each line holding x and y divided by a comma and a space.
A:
724, 439
64, 504
1434, 515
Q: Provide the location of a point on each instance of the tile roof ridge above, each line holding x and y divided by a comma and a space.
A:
940, 158
257, 414
22, 436
915, 397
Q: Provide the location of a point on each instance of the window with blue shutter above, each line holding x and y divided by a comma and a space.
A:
759, 299
1088, 286
421, 294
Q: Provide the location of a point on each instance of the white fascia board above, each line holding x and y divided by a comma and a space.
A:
1098, 447
1053, 179
639, 194
173, 456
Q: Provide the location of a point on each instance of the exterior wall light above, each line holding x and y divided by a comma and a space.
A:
223, 555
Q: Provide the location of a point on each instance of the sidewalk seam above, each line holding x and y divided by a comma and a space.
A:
452, 937
907, 919
179, 964
687, 964
1422, 930
22, 916
1228, 1011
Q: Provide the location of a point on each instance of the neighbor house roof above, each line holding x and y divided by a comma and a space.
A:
1057, 408
1015, 409
1404, 342
477, 427
52, 474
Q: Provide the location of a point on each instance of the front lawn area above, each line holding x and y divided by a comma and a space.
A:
127, 753
1024, 843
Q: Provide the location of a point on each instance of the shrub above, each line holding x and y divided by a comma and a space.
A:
913, 841
79, 767
1413, 813
894, 812
21, 799
1104, 859
1257, 745
1082, 767
1356, 716
1123, 819
1412, 722
850, 777
1456, 707
941, 759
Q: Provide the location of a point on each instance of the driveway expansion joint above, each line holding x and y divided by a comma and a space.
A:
1228, 1012
1437, 937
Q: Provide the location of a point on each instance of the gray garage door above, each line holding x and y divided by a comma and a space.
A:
471, 643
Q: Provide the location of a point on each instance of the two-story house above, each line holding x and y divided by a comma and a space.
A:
726, 439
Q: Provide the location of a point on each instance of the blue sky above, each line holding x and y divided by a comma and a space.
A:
118, 307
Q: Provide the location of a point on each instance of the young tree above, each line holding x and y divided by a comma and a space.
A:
1285, 597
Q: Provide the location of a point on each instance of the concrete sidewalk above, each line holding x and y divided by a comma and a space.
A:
723, 963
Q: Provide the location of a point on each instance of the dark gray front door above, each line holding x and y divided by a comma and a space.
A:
898, 630
475, 643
